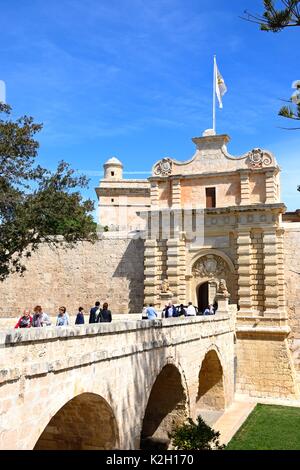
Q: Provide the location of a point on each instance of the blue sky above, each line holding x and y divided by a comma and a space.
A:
133, 78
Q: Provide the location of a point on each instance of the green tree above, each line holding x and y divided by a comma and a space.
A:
195, 436
275, 19
36, 205
293, 110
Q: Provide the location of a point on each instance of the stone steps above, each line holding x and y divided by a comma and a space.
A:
232, 419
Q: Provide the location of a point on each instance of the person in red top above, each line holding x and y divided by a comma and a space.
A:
25, 321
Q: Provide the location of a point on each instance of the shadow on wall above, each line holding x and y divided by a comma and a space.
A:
131, 268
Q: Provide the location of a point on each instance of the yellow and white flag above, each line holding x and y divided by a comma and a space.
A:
221, 88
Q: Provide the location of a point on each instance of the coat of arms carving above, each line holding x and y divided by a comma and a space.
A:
257, 158
210, 266
163, 167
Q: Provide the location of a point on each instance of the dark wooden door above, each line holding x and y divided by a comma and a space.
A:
203, 297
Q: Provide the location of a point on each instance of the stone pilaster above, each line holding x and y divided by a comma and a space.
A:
280, 271
273, 273
176, 194
257, 282
176, 268
245, 188
154, 194
271, 187
151, 281
244, 252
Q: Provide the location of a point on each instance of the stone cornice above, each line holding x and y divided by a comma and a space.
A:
262, 330
210, 174
276, 207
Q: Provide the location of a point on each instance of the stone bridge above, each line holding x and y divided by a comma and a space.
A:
112, 386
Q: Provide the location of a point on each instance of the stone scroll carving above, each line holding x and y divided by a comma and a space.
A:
258, 158
210, 266
163, 167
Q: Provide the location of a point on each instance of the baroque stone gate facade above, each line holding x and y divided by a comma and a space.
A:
217, 220
195, 228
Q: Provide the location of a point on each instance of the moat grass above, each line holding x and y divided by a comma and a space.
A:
269, 427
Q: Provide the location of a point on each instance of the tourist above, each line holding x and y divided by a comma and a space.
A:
80, 317
209, 310
40, 318
25, 321
94, 312
181, 310
163, 313
104, 314
170, 310
144, 312
63, 318
191, 311
151, 312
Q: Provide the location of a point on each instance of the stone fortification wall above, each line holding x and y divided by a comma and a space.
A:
292, 284
110, 270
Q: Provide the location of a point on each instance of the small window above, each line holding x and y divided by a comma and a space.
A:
210, 197
112, 200
112, 173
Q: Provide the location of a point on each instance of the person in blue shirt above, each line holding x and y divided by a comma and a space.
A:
62, 317
151, 312
80, 317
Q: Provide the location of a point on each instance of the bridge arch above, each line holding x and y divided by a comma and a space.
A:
211, 388
86, 422
167, 406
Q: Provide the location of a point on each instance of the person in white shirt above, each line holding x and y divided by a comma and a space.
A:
191, 311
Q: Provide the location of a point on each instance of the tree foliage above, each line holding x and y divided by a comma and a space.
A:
36, 205
275, 19
293, 110
195, 436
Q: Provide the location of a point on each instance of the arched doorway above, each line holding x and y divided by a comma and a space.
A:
166, 408
84, 423
206, 272
210, 386
202, 296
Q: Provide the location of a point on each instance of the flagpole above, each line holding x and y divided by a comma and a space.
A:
214, 95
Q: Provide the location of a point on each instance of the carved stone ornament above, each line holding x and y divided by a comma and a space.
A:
210, 266
257, 158
222, 289
164, 167
165, 286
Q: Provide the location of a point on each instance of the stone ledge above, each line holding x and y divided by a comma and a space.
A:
45, 367
17, 336
280, 330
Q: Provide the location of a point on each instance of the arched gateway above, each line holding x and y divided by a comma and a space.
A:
207, 270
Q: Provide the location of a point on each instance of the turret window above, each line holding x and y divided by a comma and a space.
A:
210, 197
112, 173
